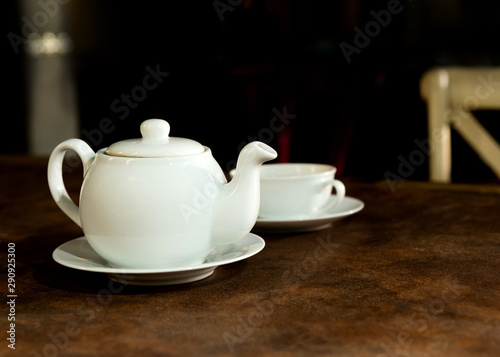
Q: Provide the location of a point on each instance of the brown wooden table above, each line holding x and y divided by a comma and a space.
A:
415, 273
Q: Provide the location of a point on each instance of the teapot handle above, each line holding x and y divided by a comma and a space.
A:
55, 174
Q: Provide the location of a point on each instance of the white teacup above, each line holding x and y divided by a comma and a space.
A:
298, 190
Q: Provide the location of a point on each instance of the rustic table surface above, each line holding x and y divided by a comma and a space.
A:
415, 273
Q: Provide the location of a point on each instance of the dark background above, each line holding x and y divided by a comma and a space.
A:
230, 68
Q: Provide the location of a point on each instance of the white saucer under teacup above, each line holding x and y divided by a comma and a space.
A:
347, 207
78, 254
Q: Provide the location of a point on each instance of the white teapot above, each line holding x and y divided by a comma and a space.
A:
159, 201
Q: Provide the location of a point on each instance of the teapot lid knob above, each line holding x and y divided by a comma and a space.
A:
155, 131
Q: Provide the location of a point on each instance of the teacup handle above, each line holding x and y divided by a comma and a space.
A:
340, 194
55, 174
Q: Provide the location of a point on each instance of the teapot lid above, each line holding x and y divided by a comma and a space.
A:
155, 142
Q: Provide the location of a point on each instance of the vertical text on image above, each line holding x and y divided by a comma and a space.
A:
11, 294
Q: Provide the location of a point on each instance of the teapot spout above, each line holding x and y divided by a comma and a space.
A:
237, 206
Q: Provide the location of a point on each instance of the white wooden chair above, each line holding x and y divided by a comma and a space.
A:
451, 94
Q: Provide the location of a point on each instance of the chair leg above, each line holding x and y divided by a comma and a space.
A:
439, 132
